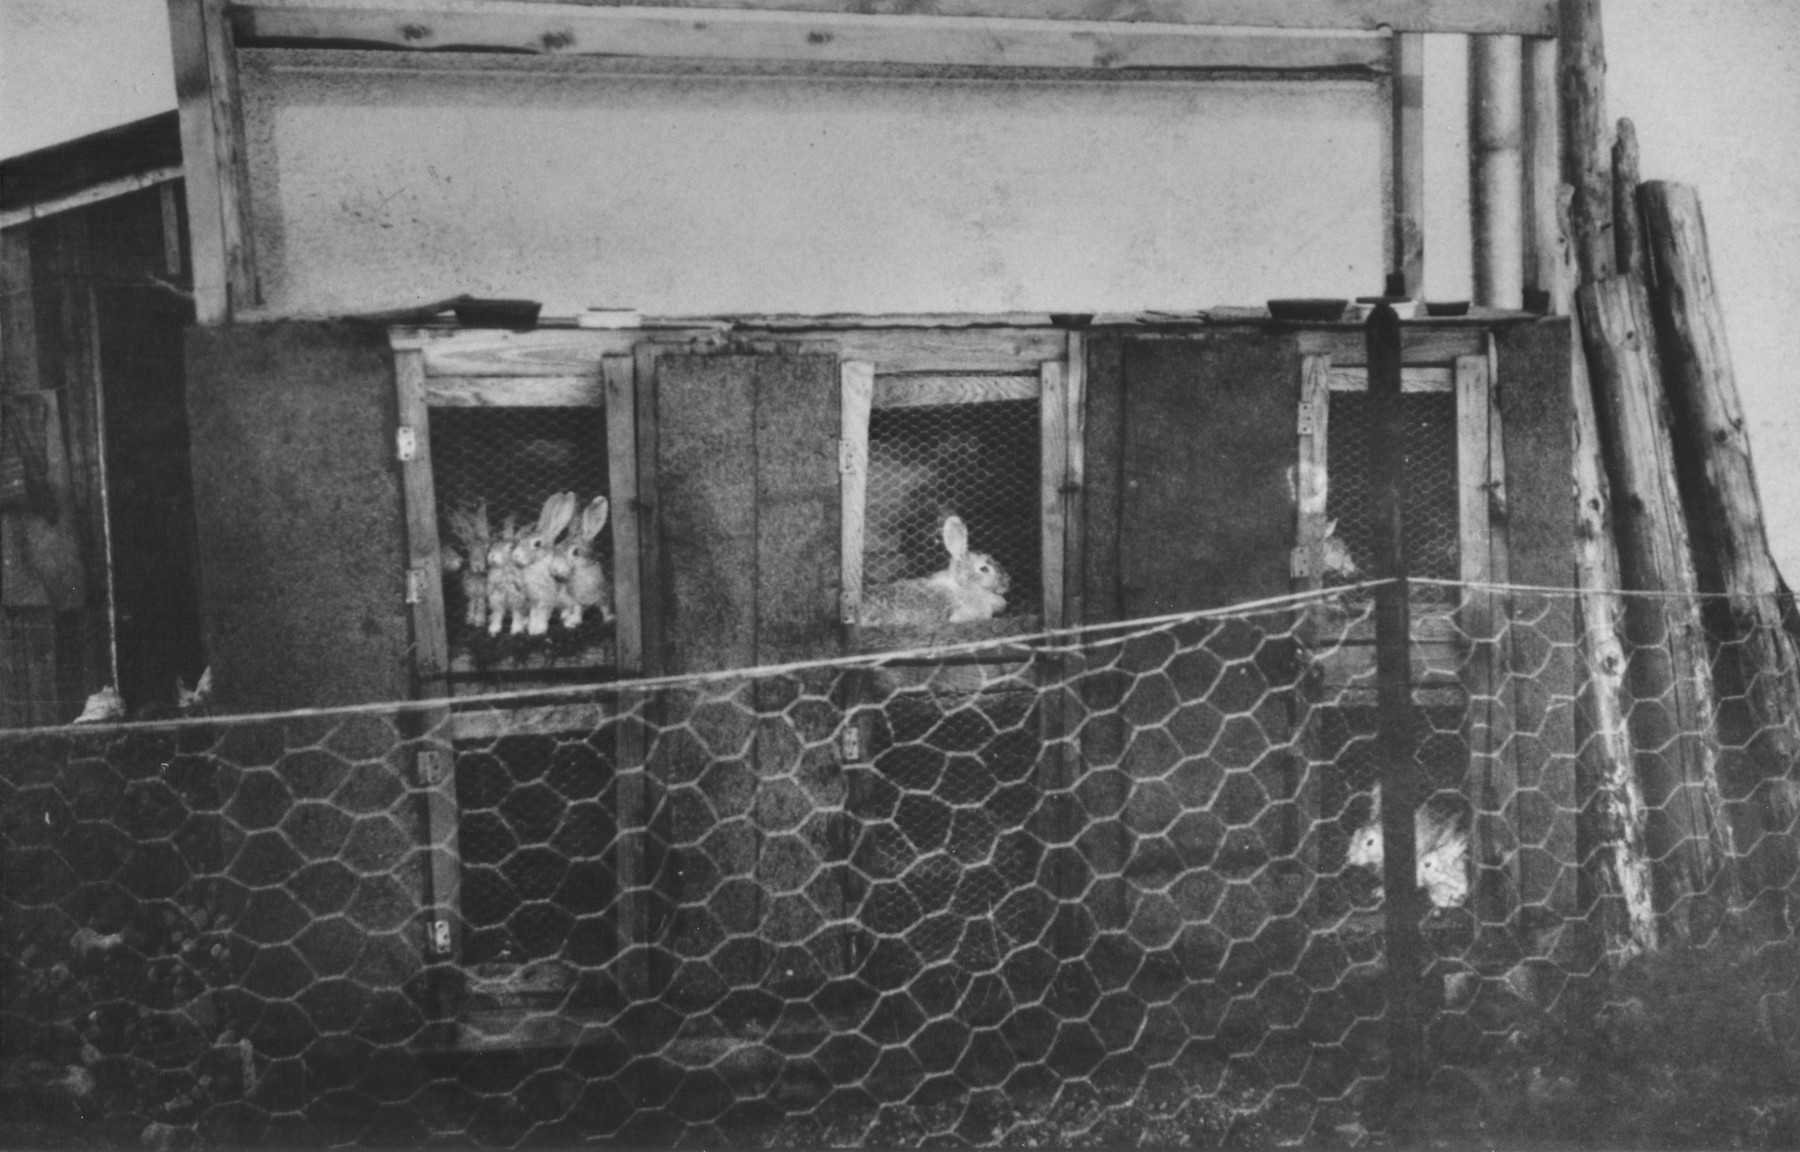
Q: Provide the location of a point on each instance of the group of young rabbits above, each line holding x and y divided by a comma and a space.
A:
1440, 843
516, 579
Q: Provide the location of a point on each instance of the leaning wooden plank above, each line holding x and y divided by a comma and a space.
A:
1713, 460
1515, 17
1496, 186
1670, 674
1615, 864
1628, 223
212, 145
1586, 136
823, 37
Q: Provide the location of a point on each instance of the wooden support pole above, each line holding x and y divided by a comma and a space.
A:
1496, 178
1407, 239
1615, 877
1586, 136
1731, 548
1670, 674
1628, 225
1403, 789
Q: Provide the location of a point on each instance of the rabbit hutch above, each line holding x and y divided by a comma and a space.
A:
882, 269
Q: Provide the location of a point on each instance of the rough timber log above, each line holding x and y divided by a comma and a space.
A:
1615, 866
1586, 138
1628, 226
1670, 675
1731, 550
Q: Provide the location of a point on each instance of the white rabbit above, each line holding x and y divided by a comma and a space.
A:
580, 578
505, 592
1442, 848
533, 555
971, 587
1334, 554
470, 527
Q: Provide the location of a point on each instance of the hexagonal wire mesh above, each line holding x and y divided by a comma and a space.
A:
1433, 538
1108, 892
978, 461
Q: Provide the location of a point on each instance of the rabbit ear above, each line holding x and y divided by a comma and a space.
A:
593, 517
558, 510
956, 537
1331, 527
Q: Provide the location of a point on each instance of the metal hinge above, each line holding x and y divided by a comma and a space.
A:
1308, 423
1302, 563
406, 443
440, 937
415, 585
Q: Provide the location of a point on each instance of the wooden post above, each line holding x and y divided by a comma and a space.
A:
1543, 232
1615, 865
1403, 901
1628, 226
1408, 115
1670, 675
1731, 549
1586, 139
212, 146
1496, 160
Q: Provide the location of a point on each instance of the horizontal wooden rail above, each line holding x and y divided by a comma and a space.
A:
1495, 17
815, 37
106, 190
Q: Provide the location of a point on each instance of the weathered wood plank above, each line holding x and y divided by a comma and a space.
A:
823, 37
798, 505
619, 376
1496, 156
1407, 231
652, 602
1103, 439
1677, 753
1628, 223
1586, 136
217, 180
94, 194
1053, 461
1009, 350
923, 391
1731, 546
1420, 345
514, 391
1075, 481
1543, 234
857, 381
1515, 17
554, 352
1411, 379
431, 643
1312, 478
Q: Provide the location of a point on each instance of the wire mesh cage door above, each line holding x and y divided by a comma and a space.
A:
528, 851
988, 449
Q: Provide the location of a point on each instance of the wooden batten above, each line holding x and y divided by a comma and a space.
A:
858, 383
1718, 482
217, 178
1406, 233
1053, 415
1543, 239
1677, 749
1496, 158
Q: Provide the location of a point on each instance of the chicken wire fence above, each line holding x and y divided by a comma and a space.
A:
1065, 888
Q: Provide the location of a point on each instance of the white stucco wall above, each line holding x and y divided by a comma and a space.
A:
376, 187
72, 67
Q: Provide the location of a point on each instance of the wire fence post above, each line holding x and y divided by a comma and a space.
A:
1399, 776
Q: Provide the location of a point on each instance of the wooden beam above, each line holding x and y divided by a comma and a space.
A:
1496, 162
924, 391
1543, 180
1053, 437
1493, 17
1407, 230
853, 443
1586, 136
513, 391
1628, 224
816, 36
96, 194
619, 375
212, 146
